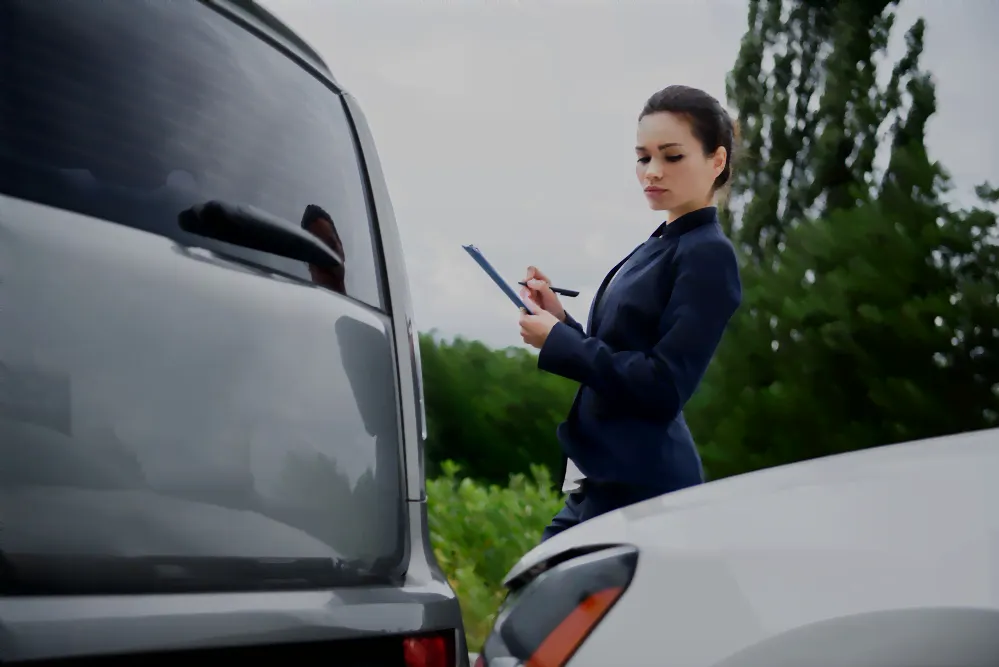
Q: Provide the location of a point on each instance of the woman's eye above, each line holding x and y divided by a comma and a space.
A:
674, 158
644, 160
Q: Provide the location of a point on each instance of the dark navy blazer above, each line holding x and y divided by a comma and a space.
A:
647, 345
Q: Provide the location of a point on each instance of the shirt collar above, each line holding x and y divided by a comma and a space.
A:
687, 222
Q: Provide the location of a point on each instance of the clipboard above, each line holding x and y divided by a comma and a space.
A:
492, 273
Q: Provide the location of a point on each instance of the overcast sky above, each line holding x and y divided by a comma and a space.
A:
511, 124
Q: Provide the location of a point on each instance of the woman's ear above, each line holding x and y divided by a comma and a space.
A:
719, 160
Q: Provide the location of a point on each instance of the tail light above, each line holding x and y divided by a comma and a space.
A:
543, 623
433, 650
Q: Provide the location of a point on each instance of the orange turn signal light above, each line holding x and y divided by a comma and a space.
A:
563, 641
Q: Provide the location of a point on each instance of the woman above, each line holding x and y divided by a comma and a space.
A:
654, 324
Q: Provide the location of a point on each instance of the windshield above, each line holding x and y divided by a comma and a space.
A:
172, 420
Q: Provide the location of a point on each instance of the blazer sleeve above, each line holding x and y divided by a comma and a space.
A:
706, 294
573, 323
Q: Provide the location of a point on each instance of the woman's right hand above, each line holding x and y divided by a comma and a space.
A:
540, 292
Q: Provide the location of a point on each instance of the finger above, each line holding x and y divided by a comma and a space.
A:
534, 272
540, 286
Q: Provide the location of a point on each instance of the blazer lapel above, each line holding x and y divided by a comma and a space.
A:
591, 326
592, 320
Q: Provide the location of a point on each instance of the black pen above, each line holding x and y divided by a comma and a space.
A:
558, 290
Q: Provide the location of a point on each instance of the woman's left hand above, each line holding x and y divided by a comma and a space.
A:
534, 329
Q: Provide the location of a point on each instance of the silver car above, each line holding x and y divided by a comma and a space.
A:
211, 419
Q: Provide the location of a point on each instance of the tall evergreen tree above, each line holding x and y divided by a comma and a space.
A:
870, 313
805, 85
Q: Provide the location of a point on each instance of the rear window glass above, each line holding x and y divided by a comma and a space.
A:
134, 110
171, 423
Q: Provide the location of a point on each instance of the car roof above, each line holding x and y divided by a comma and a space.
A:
278, 30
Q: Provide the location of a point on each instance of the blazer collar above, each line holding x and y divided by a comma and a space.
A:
686, 222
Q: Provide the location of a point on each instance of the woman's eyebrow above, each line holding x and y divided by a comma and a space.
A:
661, 146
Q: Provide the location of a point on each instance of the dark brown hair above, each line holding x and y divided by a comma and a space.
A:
709, 121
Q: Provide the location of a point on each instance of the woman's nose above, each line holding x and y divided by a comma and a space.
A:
654, 170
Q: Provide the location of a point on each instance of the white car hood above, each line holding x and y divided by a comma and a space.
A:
896, 469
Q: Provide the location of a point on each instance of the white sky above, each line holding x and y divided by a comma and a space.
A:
510, 124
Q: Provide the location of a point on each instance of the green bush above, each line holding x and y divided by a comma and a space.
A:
479, 532
491, 411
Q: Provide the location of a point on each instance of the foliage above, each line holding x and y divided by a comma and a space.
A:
491, 411
480, 531
869, 314
805, 84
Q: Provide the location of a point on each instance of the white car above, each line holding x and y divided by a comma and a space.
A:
887, 557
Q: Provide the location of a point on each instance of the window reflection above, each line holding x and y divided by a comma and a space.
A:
126, 123
319, 223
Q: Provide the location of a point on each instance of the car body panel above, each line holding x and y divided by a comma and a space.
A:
186, 375
38, 628
805, 559
265, 23
411, 390
200, 328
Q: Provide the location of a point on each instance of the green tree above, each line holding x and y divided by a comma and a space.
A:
811, 111
491, 411
870, 313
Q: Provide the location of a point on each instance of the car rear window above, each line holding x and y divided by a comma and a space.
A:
133, 110
169, 422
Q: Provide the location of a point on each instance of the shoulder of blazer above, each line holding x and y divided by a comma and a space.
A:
708, 238
702, 238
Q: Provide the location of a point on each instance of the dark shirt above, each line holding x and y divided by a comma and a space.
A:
650, 338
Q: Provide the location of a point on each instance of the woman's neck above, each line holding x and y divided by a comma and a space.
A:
680, 212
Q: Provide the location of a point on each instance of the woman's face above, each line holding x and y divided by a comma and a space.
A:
672, 168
